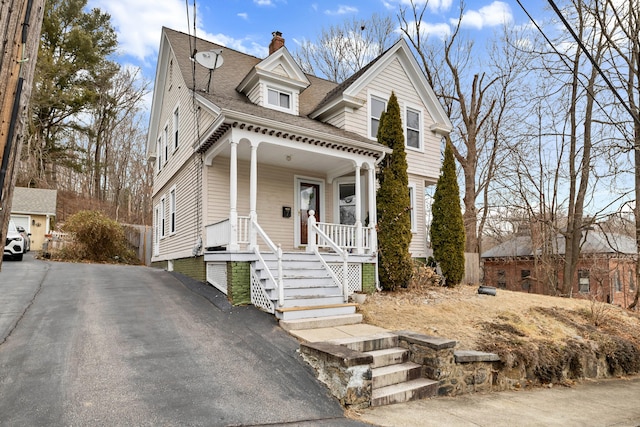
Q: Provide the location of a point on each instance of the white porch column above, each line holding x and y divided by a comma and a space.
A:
233, 197
253, 196
373, 214
359, 241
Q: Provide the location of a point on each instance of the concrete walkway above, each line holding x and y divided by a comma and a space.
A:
613, 402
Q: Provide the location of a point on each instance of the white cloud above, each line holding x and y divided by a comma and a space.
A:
440, 30
139, 23
342, 10
495, 14
434, 6
263, 2
244, 15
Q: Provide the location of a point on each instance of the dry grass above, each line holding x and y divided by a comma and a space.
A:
463, 315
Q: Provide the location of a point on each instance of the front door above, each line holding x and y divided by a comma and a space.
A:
308, 199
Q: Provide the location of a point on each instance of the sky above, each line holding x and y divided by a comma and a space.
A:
246, 25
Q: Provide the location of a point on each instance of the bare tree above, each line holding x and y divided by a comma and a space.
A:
342, 50
477, 97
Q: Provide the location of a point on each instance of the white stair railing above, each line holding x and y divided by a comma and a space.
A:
313, 231
277, 250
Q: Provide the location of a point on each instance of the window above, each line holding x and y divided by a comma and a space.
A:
172, 211
163, 231
632, 282
378, 106
583, 281
347, 203
159, 154
279, 98
413, 129
617, 282
176, 122
412, 211
501, 280
525, 275
165, 145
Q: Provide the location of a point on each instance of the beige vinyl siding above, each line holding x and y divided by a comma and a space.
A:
426, 163
182, 241
176, 94
338, 120
276, 188
255, 94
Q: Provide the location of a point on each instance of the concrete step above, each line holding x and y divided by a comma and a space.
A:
394, 374
291, 300
370, 343
321, 322
404, 392
301, 312
389, 356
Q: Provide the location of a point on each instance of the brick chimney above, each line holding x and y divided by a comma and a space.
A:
276, 43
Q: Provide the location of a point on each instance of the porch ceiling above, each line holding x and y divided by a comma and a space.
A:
292, 158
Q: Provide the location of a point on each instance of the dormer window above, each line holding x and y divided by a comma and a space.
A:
278, 98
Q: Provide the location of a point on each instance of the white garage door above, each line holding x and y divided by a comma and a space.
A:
22, 220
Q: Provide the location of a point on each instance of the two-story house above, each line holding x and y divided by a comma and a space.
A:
265, 177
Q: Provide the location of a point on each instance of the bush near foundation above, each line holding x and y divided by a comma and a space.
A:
96, 238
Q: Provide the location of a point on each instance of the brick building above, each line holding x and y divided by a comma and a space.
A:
605, 271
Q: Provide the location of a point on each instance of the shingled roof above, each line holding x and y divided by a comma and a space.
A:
594, 242
34, 201
225, 79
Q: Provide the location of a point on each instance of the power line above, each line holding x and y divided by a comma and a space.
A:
564, 61
593, 62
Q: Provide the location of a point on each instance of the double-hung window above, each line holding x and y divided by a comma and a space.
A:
378, 106
165, 144
176, 122
583, 281
172, 211
412, 128
159, 154
162, 216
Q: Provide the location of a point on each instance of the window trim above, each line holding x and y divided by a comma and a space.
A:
157, 237
172, 211
379, 97
420, 130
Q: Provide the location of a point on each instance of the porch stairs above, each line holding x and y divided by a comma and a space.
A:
394, 379
309, 290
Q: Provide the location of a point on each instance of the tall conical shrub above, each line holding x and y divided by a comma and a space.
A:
447, 227
393, 203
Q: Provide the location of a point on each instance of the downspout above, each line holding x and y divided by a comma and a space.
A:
378, 287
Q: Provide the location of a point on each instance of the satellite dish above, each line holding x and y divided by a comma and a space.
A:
211, 59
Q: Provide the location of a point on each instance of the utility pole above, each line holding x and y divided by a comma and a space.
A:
20, 25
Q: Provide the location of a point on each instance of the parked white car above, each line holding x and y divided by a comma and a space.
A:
14, 244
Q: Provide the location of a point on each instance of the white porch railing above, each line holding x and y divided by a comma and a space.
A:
315, 233
277, 250
345, 236
219, 233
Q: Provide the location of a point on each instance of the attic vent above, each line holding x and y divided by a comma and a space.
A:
276, 43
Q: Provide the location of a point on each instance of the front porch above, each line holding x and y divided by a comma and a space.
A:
315, 281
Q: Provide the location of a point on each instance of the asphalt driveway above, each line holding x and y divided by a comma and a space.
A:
86, 344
